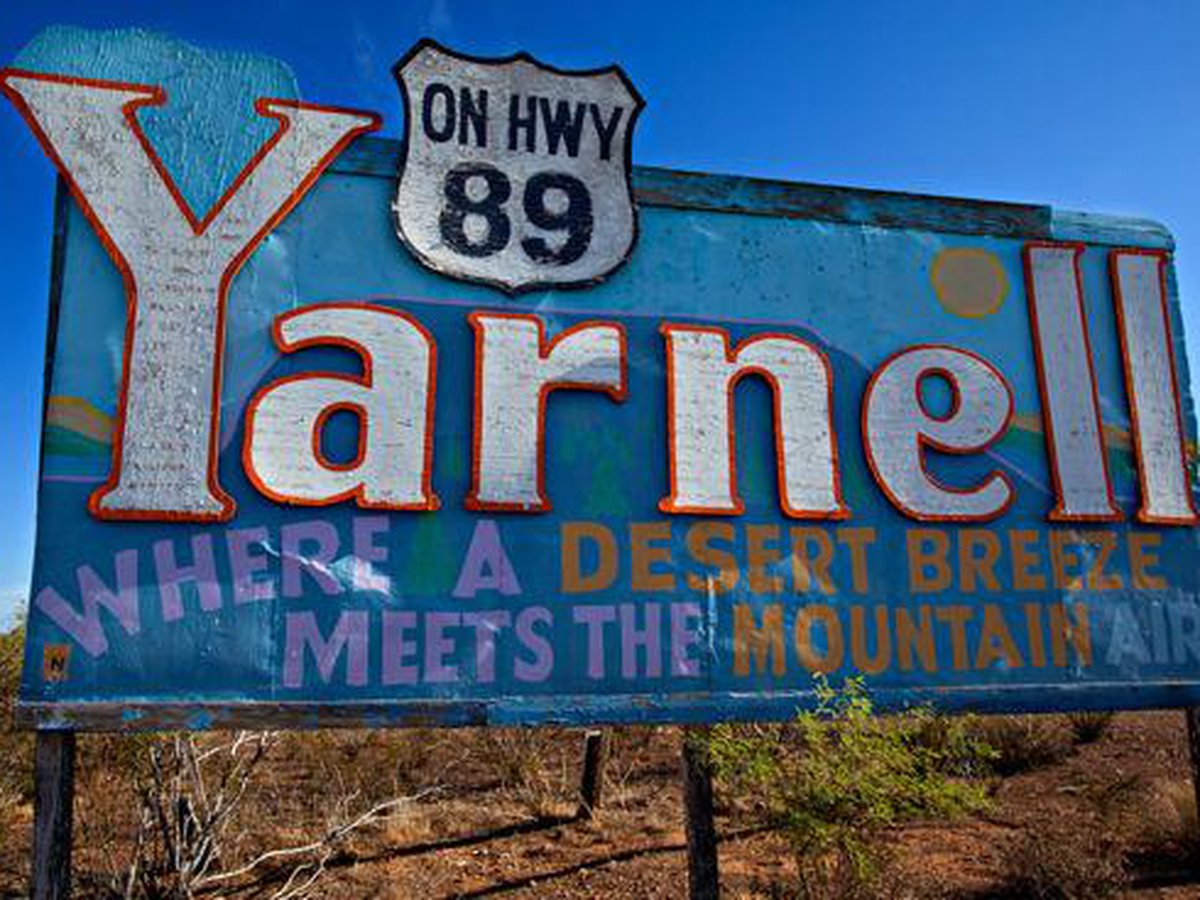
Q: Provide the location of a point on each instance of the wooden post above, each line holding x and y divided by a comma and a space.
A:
703, 878
53, 802
591, 783
1192, 715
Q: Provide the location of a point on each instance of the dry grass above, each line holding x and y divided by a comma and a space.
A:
16, 752
1062, 864
536, 767
1024, 743
1182, 797
1164, 824
1089, 727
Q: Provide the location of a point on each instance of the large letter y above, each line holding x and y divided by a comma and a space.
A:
176, 268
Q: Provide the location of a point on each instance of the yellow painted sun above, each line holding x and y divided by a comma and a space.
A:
969, 282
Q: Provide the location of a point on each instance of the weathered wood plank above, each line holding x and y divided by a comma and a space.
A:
1192, 716
53, 804
571, 710
703, 876
380, 158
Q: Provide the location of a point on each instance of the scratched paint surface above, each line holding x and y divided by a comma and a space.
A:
342, 614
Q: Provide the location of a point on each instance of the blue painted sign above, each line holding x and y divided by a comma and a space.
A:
307, 461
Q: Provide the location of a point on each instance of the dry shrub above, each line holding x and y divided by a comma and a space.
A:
1182, 796
16, 747
636, 763
534, 766
1061, 864
156, 814
418, 826
1119, 801
1023, 743
314, 769
1168, 829
420, 757
106, 809
16, 750
179, 815
1089, 727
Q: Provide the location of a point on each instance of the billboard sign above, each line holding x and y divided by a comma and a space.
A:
588, 442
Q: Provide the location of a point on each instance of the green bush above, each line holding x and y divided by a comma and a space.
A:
834, 779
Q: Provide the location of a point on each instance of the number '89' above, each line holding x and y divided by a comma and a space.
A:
551, 201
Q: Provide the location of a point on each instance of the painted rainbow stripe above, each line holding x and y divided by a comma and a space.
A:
74, 427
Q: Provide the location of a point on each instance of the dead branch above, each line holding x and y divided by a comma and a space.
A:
328, 841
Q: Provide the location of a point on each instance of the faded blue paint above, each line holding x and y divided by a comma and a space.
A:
849, 270
201, 144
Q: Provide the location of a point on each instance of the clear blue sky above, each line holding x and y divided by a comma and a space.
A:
1084, 105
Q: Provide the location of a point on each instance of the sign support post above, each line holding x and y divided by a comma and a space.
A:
703, 877
591, 782
53, 808
1192, 716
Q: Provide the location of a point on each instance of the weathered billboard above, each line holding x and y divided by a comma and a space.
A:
491, 426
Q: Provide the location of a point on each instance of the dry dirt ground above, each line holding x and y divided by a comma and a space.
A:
495, 818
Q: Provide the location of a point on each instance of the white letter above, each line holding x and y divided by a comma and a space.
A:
1139, 291
393, 400
176, 270
702, 373
1070, 407
515, 370
897, 429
